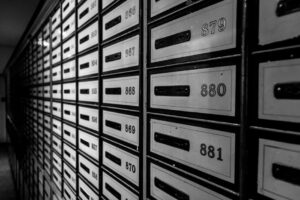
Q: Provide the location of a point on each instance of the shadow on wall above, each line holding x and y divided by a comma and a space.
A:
7, 190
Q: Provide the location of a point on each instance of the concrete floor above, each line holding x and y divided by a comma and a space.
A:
7, 189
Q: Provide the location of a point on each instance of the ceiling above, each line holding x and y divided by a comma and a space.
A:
14, 18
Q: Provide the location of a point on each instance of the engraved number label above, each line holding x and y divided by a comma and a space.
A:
130, 167
213, 26
213, 90
130, 90
94, 146
94, 91
94, 62
95, 176
94, 33
130, 52
130, 12
211, 151
94, 119
130, 128
93, 5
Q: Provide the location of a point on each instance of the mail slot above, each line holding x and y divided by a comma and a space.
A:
47, 190
69, 155
56, 109
56, 144
46, 76
40, 78
214, 149
40, 144
89, 144
40, 118
56, 57
56, 38
279, 169
35, 101
56, 160
157, 7
68, 26
56, 73
69, 134
112, 189
88, 37
88, 117
88, 91
56, 91
121, 18
210, 90
55, 19
35, 117
124, 91
39, 54
88, 170
35, 79
279, 90
47, 166
47, 122
69, 70
40, 156
165, 184
278, 20
46, 61
69, 91
56, 177
121, 55
47, 152
40, 105
70, 176
47, 91
122, 162
67, 7
69, 112
68, 194
207, 30
46, 30
88, 64
41, 180
86, 11
47, 106
69, 48
47, 137
40, 121
56, 126
85, 192
121, 126
40, 65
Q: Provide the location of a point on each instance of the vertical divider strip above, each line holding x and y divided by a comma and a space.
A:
100, 117
243, 141
144, 68
76, 106
50, 90
61, 82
